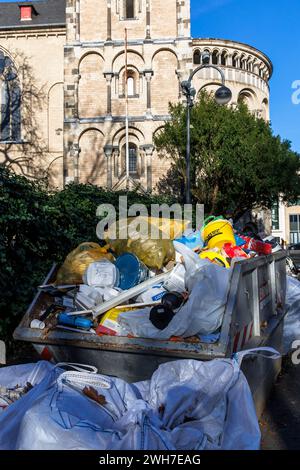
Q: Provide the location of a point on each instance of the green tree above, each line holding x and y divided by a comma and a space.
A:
237, 163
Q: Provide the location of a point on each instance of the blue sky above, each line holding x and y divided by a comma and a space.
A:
272, 26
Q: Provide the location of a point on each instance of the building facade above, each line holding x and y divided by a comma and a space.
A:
62, 86
32, 40
286, 223
158, 53
161, 54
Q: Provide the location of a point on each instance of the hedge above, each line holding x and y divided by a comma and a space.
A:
39, 227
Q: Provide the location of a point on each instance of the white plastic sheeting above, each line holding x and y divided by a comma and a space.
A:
291, 330
202, 314
186, 405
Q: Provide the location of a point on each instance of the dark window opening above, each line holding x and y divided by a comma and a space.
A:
223, 58
132, 159
10, 110
294, 229
215, 58
275, 216
129, 9
197, 58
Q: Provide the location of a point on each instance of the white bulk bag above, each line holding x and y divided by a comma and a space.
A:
186, 405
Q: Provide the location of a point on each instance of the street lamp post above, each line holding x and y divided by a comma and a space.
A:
222, 96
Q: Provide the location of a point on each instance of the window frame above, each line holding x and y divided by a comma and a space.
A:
275, 216
133, 148
294, 234
197, 53
10, 112
127, 8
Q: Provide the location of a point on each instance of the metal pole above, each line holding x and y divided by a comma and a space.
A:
188, 153
189, 99
126, 105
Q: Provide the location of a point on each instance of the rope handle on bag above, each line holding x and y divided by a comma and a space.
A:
83, 374
238, 357
80, 379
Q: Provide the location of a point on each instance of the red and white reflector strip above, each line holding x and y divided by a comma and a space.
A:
45, 353
242, 337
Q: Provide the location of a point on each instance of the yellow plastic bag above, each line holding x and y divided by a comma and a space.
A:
153, 252
78, 260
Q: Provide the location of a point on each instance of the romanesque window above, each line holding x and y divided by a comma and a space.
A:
129, 9
133, 155
243, 62
197, 57
132, 84
215, 58
248, 98
10, 101
235, 60
132, 159
223, 58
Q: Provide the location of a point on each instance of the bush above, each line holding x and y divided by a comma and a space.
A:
38, 228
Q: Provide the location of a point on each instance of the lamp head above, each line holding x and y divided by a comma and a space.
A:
205, 58
193, 92
186, 86
223, 95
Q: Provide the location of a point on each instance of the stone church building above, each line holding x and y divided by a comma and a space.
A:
62, 83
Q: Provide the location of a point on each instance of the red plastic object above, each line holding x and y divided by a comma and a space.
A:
259, 247
234, 251
102, 330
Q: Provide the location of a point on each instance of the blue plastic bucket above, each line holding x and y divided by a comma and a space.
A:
132, 271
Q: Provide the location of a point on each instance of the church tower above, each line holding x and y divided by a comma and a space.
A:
159, 57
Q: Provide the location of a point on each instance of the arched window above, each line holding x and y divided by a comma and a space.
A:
265, 109
224, 58
133, 155
243, 63
129, 9
235, 60
215, 58
130, 86
247, 97
132, 159
10, 101
197, 57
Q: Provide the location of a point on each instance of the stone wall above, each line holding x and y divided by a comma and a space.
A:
158, 37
